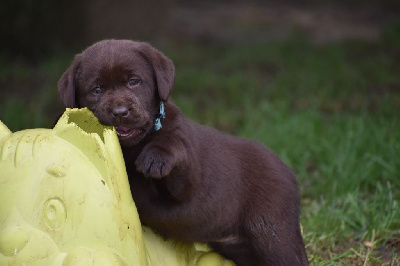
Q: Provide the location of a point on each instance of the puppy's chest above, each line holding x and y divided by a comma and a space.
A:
145, 189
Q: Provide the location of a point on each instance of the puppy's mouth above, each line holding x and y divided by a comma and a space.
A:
125, 132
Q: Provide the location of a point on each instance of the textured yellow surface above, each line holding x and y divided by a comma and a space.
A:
65, 200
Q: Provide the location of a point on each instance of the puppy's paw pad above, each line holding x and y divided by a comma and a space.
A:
154, 162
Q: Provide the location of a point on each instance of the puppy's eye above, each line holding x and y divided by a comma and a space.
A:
134, 82
97, 90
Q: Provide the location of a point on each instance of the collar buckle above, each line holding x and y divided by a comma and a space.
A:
159, 118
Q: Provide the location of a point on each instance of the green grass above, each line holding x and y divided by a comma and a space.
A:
330, 111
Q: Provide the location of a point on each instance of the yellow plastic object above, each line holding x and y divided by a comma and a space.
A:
65, 200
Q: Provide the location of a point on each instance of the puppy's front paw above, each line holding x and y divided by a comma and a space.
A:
154, 162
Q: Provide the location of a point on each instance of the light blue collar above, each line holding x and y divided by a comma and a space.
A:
160, 118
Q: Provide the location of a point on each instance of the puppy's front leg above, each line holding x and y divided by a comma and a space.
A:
159, 157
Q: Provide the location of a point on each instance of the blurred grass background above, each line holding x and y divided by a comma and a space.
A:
317, 82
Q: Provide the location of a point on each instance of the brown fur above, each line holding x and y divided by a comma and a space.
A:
188, 181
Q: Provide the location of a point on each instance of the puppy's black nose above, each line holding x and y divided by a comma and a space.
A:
120, 111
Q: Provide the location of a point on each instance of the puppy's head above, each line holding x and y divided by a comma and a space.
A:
122, 82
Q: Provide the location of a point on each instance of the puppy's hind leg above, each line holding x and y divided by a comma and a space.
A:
275, 243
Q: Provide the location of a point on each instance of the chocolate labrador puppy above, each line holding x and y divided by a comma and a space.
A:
188, 181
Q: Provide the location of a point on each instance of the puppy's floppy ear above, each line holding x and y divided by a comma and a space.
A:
66, 84
163, 68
